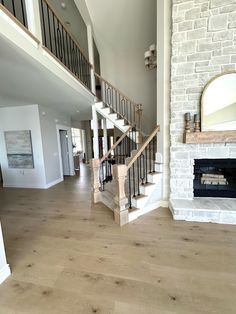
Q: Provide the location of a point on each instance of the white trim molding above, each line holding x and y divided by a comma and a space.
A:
5, 272
49, 185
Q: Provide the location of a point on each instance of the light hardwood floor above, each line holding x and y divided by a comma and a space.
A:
68, 256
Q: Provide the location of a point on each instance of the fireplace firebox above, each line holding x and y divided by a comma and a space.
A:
215, 178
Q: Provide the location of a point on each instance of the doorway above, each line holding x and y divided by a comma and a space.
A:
64, 152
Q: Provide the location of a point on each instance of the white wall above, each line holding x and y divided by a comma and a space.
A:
124, 31
163, 87
4, 267
22, 118
43, 123
49, 119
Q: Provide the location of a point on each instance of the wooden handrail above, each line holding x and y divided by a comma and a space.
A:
131, 101
145, 144
70, 34
116, 144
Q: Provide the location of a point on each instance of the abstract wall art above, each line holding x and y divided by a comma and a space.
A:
19, 149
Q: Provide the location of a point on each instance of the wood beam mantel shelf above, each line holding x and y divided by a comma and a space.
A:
210, 137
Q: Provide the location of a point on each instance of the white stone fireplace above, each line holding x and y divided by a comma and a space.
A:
203, 46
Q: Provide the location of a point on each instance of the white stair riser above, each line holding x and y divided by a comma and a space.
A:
139, 202
106, 111
147, 190
121, 122
99, 105
158, 167
154, 178
113, 116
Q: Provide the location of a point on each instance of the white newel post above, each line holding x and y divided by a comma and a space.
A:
4, 267
105, 135
95, 133
121, 213
33, 18
95, 169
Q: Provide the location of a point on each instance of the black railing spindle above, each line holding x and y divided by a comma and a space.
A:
17, 9
63, 45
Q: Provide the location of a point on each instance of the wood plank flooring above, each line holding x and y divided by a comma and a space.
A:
69, 257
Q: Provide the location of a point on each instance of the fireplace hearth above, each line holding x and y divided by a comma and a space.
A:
215, 178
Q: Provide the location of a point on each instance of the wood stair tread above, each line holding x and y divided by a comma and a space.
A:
133, 209
147, 184
138, 197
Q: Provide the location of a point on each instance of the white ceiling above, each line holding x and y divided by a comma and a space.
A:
25, 81
120, 23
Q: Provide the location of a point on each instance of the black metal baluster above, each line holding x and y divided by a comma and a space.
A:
63, 44
138, 174
23, 9
44, 31
142, 169
13, 7
134, 194
129, 189
150, 165
59, 41
49, 28
153, 152
68, 55
54, 30
146, 158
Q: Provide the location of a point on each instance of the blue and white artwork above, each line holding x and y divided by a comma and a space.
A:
19, 149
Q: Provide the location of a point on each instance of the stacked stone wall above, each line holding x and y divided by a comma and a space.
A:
203, 46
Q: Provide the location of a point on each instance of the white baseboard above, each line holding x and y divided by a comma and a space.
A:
49, 185
33, 186
5, 272
24, 186
164, 204
146, 209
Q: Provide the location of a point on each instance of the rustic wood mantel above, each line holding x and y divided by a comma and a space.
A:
210, 137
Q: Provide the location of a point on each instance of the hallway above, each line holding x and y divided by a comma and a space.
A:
68, 256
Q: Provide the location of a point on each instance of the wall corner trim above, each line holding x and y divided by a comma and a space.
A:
50, 184
5, 272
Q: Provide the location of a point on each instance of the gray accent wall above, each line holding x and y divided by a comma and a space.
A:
78, 27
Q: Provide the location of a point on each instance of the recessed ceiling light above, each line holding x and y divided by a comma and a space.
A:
63, 5
77, 111
67, 23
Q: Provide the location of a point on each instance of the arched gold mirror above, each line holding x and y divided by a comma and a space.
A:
218, 104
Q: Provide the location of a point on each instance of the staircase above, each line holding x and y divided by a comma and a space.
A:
128, 177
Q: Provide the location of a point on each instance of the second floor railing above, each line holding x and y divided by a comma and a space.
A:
63, 45
17, 9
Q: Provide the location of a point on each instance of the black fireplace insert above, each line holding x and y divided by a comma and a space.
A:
215, 178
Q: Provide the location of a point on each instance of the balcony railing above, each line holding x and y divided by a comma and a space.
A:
17, 9
63, 45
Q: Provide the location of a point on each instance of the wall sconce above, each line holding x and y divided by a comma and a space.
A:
150, 57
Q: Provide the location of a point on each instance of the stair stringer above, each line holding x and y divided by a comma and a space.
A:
119, 123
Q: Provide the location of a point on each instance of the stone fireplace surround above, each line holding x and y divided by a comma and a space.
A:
203, 46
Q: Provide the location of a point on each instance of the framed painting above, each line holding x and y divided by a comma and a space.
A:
19, 149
